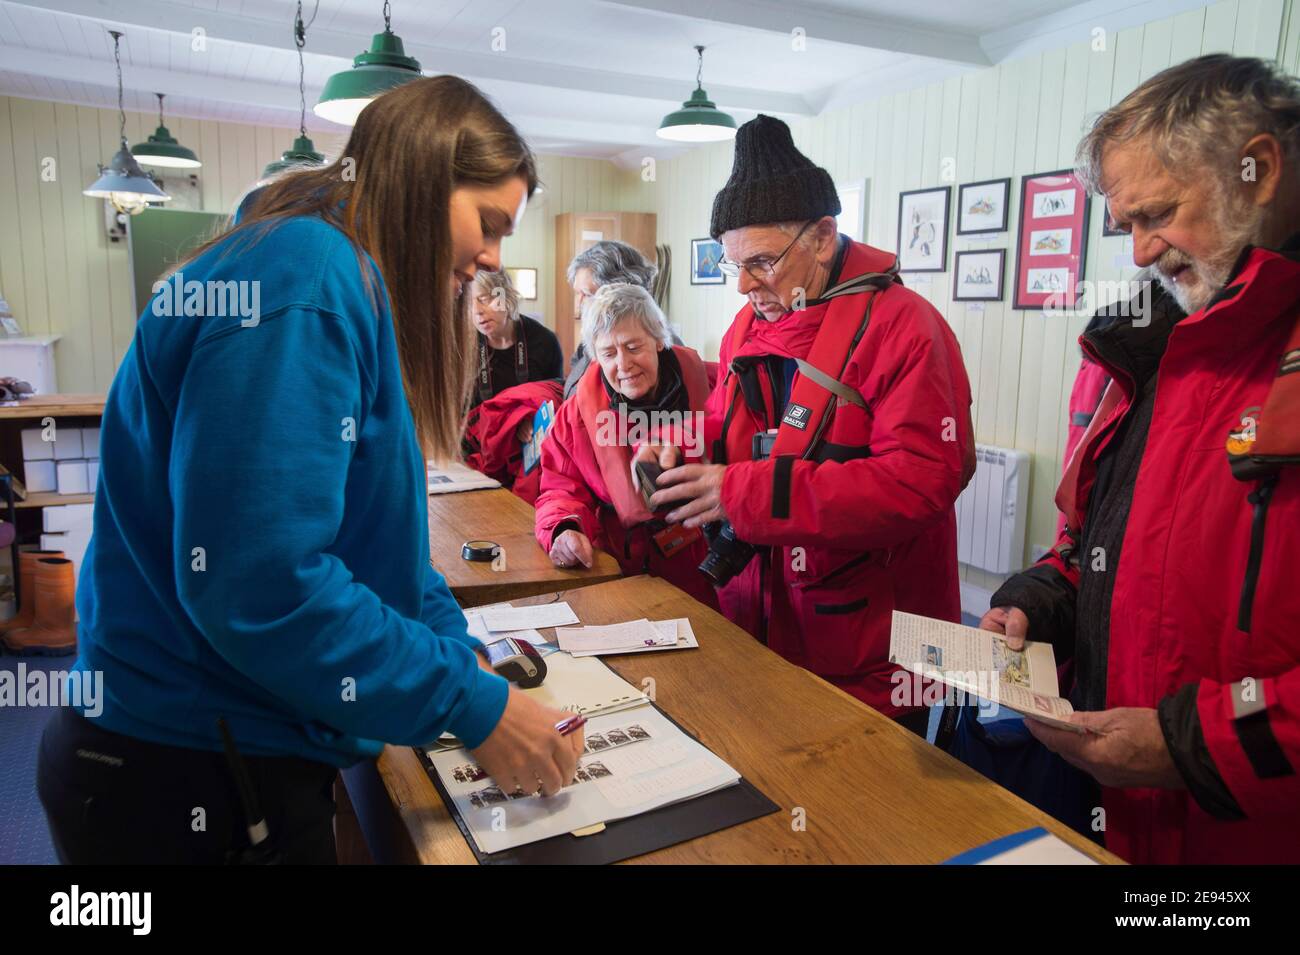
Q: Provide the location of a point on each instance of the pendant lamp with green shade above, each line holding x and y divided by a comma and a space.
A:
302, 154
381, 68
699, 120
162, 149
122, 182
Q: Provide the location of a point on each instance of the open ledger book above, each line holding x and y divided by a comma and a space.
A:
981, 663
635, 760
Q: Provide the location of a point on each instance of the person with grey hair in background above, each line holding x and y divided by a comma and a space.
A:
638, 388
512, 349
1172, 589
604, 263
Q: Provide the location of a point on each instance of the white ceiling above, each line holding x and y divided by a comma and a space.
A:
579, 77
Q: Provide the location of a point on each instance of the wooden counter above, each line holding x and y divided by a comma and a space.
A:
498, 515
870, 791
38, 406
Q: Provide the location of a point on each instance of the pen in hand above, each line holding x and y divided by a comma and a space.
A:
567, 726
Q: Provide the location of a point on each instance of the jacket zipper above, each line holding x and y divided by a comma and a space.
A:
1259, 499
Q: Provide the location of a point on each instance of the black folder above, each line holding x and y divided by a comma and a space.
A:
626, 838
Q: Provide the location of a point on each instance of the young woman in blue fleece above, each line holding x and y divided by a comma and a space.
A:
261, 550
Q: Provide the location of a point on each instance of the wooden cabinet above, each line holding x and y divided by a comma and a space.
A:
576, 231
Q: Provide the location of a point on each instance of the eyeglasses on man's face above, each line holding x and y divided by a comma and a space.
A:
761, 268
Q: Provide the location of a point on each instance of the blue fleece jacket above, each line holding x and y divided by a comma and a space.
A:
260, 547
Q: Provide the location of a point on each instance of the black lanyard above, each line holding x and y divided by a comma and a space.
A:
485, 362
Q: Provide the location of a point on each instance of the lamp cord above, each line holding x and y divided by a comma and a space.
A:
699, 69
300, 41
121, 106
388, 17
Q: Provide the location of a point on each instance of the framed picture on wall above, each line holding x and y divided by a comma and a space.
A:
706, 255
978, 274
1107, 225
1052, 242
923, 230
982, 206
525, 283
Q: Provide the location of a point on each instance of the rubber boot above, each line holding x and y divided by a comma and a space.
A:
26, 615
55, 631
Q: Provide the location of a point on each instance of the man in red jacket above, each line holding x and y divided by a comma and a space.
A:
847, 509
1173, 588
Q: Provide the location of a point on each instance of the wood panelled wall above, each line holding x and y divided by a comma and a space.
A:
62, 275
58, 269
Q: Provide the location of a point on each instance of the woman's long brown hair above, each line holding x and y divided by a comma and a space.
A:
390, 193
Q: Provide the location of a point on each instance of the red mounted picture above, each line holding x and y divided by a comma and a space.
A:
1052, 242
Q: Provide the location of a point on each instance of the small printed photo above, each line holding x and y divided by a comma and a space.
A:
596, 742
1012, 665
637, 732
933, 656
581, 776
616, 737
598, 770
492, 794
468, 773
476, 800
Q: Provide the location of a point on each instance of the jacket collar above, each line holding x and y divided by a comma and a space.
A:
1132, 352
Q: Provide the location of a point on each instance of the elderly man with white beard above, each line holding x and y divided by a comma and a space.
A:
1172, 590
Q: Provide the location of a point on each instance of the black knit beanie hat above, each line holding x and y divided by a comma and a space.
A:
771, 181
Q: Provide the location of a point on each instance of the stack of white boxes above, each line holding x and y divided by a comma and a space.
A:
67, 528
69, 464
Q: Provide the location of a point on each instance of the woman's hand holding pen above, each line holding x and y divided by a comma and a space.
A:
526, 751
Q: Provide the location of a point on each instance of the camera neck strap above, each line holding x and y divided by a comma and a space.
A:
520, 350
817, 388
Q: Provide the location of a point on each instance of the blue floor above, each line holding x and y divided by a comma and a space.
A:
24, 837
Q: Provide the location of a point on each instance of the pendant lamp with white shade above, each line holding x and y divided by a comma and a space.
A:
699, 120
162, 149
381, 68
123, 183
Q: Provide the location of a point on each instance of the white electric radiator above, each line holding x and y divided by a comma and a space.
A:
993, 511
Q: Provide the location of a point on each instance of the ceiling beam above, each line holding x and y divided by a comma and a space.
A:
144, 79
869, 32
176, 19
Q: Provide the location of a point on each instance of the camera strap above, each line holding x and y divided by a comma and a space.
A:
520, 350
837, 322
818, 388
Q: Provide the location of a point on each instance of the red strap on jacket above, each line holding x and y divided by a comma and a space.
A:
811, 405
840, 317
